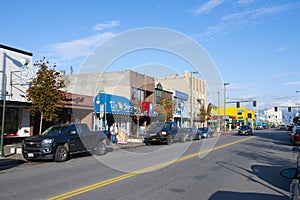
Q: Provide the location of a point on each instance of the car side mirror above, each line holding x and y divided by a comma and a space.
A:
290, 173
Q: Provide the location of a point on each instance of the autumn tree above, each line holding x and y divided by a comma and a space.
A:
205, 113
168, 106
45, 92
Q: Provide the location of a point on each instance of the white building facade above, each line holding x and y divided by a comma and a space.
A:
273, 116
192, 87
15, 73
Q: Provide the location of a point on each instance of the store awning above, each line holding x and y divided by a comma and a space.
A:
113, 104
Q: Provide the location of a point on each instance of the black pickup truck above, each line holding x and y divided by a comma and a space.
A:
58, 141
164, 132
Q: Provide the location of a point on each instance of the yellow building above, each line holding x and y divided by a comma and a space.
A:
234, 116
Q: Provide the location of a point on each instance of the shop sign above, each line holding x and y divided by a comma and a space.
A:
181, 95
112, 104
147, 107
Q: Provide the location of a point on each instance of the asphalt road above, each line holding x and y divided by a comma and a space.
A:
227, 167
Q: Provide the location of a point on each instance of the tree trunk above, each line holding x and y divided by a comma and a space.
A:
41, 123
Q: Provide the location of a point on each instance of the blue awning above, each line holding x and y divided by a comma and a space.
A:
112, 104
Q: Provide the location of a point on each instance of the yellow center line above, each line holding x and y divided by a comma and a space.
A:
131, 174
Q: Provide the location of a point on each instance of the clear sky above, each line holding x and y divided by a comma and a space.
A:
255, 44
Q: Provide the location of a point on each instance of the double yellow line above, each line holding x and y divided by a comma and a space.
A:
131, 174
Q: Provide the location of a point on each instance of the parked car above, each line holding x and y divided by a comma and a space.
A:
164, 132
282, 127
259, 127
206, 132
59, 141
290, 127
192, 134
296, 136
245, 130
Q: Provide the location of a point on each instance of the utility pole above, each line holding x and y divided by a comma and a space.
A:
224, 118
4, 80
219, 119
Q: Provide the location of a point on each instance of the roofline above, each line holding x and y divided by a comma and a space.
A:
15, 50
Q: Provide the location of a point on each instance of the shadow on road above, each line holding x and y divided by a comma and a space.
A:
265, 175
271, 175
221, 195
7, 163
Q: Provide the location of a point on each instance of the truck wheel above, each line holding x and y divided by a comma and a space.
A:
100, 149
169, 139
61, 154
191, 138
182, 139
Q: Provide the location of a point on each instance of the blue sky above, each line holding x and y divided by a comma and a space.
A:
255, 44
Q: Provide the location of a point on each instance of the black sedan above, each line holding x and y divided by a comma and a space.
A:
245, 130
206, 132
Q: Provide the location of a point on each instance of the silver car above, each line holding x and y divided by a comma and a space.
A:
192, 134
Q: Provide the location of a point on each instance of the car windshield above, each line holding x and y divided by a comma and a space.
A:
190, 129
244, 127
54, 130
167, 126
203, 129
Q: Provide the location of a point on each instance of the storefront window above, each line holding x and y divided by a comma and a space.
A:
11, 122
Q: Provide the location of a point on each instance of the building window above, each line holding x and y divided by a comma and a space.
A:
138, 95
157, 95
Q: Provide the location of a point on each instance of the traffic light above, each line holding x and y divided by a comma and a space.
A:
250, 115
275, 108
237, 104
254, 103
289, 109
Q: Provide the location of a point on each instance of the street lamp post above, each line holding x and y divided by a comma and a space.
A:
3, 114
191, 101
298, 91
224, 118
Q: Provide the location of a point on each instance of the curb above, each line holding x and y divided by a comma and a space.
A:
231, 133
128, 145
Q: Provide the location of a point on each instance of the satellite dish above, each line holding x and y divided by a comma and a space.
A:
25, 61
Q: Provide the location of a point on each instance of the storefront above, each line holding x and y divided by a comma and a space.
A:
78, 109
109, 109
181, 116
17, 119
